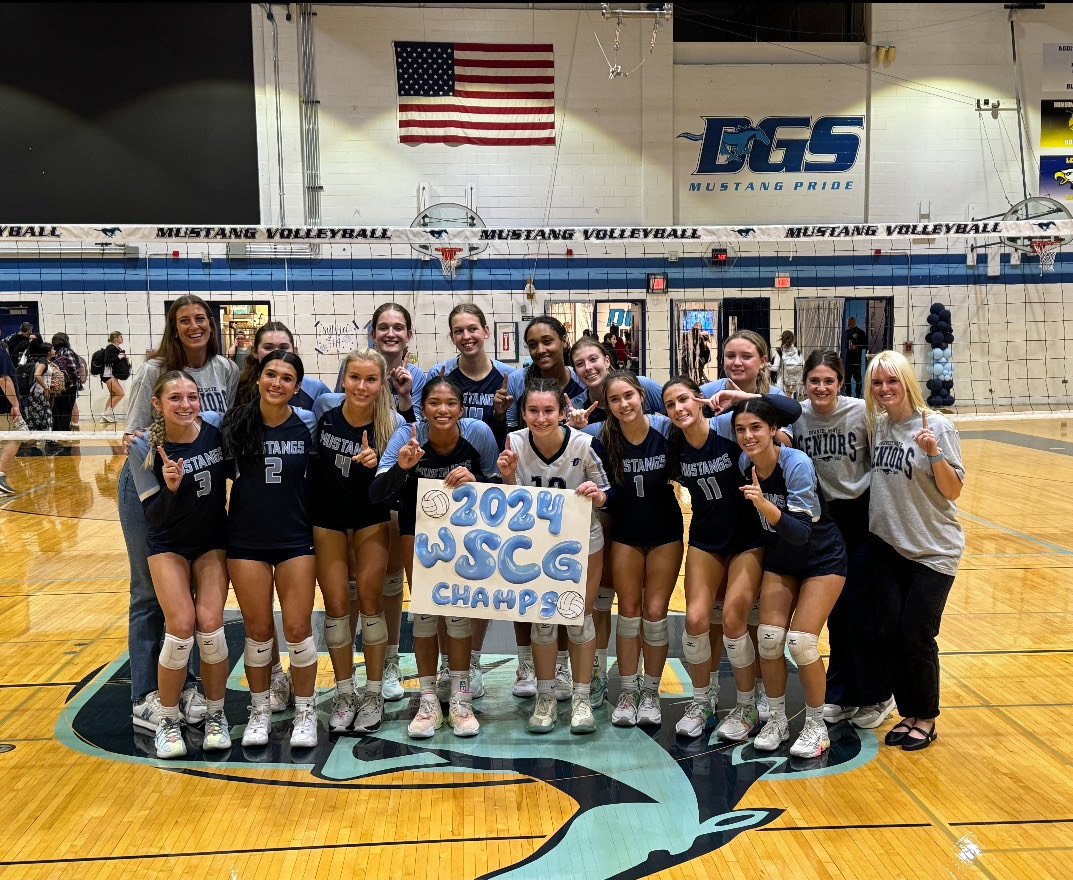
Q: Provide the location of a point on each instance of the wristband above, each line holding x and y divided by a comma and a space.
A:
939, 456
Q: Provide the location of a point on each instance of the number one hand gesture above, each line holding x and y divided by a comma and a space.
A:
367, 456
502, 400
507, 464
172, 471
925, 437
411, 453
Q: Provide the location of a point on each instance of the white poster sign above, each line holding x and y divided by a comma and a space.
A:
1057, 70
336, 337
502, 552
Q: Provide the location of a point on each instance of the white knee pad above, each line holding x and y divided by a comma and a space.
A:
393, 584
802, 647
337, 632
258, 653
457, 627
352, 587
582, 634
544, 633
657, 633
754, 615
303, 653
717, 613
629, 627
175, 653
213, 646
605, 596
697, 649
426, 626
770, 640
740, 651
374, 629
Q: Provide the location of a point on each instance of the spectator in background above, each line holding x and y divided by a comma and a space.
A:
10, 419
17, 343
64, 402
116, 368
240, 350
38, 399
855, 344
788, 366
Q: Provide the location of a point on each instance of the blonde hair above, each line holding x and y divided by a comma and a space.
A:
763, 377
157, 428
384, 405
114, 335
894, 364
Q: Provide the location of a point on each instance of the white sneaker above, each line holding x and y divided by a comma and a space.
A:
648, 711
108, 419
443, 684
870, 717
257, 728
625, 713
281, 696
525, 683
599, 690
392, 688
564, 686
192, 706
146, 714
737, 726
217, 732
428, 720
476, 682
344, 707
370, 713
813, 741
169, 739
581, 720
463, 721
773, 734
833, 713
763, 707
543, 718
695, 720
304, 731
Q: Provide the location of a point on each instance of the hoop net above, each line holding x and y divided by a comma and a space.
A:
1047, 250
449, 260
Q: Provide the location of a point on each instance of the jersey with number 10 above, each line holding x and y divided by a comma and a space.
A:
270, 498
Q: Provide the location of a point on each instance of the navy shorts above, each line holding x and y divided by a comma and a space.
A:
155, 548
272, 555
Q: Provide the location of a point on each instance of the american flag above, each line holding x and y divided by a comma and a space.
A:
476, 93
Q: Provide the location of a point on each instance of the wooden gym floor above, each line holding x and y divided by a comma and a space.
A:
83, 799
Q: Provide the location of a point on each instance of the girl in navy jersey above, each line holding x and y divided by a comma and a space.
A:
724, 564
350, 435
443, 446
189, 343
275, 336
270, 540
646, 542
180, 474
548, 453
804, 569
833, 432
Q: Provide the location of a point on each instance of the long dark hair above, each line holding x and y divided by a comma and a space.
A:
243, 427
170, 351
611, 436
533, 371
831, 359
675, 437
247, 380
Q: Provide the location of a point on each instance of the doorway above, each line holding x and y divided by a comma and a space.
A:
14, 314
233, 318
621, 319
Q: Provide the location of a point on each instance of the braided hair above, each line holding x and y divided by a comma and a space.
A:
157, 428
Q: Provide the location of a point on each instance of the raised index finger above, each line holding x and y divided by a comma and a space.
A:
924, 419
595, 404
756, 479
364, 440
413, 432
163, 455
506, 376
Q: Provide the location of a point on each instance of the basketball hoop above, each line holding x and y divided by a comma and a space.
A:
449, 260
1047, 250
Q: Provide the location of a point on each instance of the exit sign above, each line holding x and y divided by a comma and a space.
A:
657, 282
782, 281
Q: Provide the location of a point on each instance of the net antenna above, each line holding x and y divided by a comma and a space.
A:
449, 260
1047, 250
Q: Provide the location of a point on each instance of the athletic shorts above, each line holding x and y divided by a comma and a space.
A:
825, 554
272, 555
361, 516
744, 537
155, 548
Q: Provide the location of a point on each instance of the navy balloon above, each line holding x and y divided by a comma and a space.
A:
937, 308
945, 315
932, 318
948, 400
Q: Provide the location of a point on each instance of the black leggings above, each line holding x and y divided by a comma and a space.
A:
63, 405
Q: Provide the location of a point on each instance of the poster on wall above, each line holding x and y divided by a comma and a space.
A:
336, 337
501, 552
1056, 125
1056, 178
1057, 69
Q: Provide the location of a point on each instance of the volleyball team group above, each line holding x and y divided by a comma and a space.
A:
833, 511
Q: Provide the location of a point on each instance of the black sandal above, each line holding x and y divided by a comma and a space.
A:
912, 744
897, 734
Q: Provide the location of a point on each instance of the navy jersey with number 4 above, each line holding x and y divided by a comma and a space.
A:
270, 498
191, 520
475, 450
643, 508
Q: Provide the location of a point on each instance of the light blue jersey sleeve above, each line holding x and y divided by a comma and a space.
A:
443, 368
800, 477
710, 388
480, 436
213, 418
326, 403
312, 386
145, 481
310, 421
391, 455
515, 387
660, 423
653, 395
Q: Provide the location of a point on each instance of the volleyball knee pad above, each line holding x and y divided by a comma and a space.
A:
770, 640
605, 597
393, 584
754, 615
629, 627
175, 652
352, 589
337, 632
258, 653
740, 651
459, 627
374, 629
697, 649
426, 626
303, 653
582, 633
657, 632
544, 633
802, 647
213, 646
716, 616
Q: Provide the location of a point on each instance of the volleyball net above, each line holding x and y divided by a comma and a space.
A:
1007, 345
